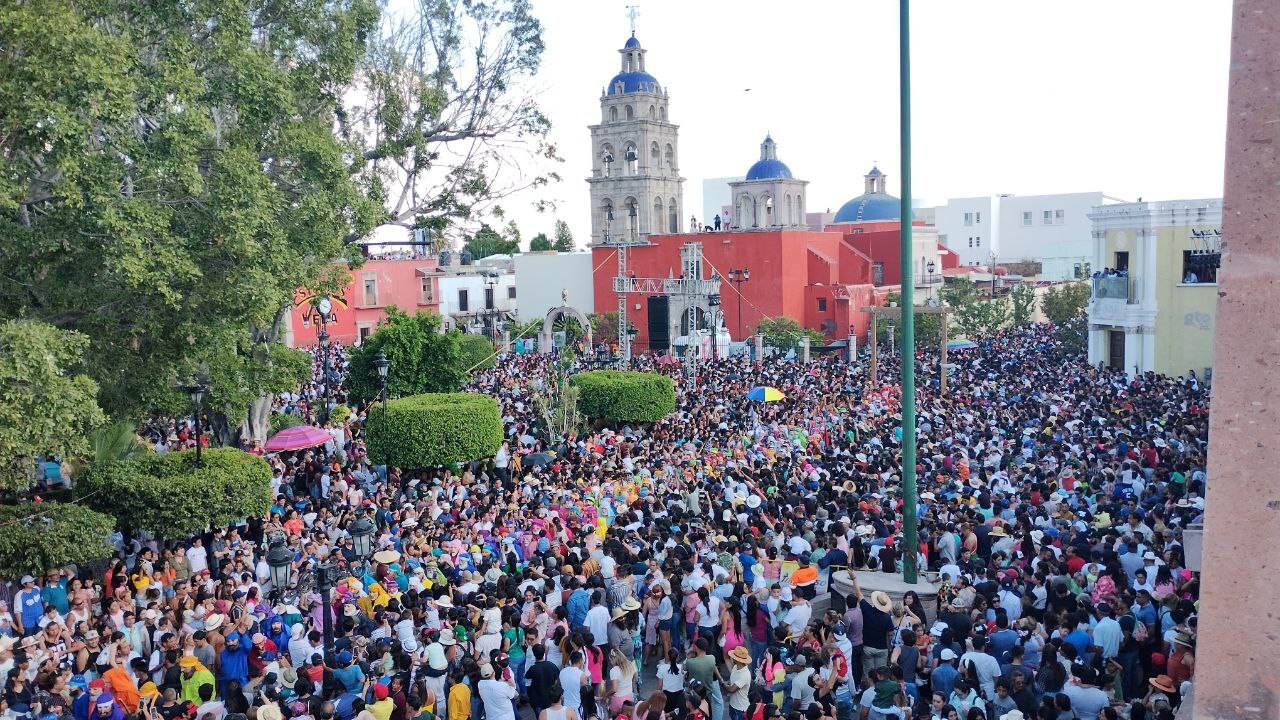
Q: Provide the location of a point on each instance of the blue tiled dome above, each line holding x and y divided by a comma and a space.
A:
769, 170
869, 207
634, 82
632, 42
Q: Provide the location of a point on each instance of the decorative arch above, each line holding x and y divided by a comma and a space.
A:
606, 225
631, 155
652, 113
746, 211
632, 225
657, 214
673, 217
654, 159
671, 157
631, 113
787, 217
549, 323
662, 113
768, 210
613, 114
607, 158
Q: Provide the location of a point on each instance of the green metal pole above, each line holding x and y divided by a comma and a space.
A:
910, 541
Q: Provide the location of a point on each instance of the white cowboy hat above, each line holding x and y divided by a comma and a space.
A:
213, 622
753, 501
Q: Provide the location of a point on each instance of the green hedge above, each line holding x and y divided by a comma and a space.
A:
168, 496
625, 395
339, 414
38, 537
434, 429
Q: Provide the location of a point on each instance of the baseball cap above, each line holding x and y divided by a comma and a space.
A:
948, 654
380, 691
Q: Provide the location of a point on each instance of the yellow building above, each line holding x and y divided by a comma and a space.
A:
1155, 288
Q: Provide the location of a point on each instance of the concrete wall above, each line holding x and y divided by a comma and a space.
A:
540, 278
971, 242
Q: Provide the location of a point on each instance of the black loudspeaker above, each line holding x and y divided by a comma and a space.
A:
659, 333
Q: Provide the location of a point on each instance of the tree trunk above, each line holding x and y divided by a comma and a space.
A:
257, 422
222, 433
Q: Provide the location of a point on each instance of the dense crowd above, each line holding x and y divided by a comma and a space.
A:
704, 567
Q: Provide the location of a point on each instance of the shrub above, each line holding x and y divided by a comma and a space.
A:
168, 496
434, 429
625, 395
284, 421
477, 352
38, 537
339, 413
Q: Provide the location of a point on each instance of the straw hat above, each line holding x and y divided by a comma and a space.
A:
998, 531
740, 655
630, 605
213, 622
1163, 683
1182, 639
619, 613
881, 601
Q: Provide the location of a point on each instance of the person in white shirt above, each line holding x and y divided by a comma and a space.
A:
496, 695
987, 667
197, 556
598, 619
797, 618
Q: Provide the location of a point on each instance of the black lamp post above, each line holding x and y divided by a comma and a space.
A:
362, 531
929, 268
490, 303
196, 390
383, 365
632, 331
323, 337
737, 276
318, 575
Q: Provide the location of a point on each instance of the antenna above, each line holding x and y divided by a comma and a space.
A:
633, 11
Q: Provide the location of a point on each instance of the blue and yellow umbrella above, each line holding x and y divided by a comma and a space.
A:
765, 394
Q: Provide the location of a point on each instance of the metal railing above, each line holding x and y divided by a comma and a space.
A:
1116, 288
929, 279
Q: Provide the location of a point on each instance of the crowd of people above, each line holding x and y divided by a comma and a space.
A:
704, 567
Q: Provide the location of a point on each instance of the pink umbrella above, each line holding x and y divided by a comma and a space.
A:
297, 438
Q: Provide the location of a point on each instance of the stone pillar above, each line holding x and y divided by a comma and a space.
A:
853, 346
804, 348
759, 345
1237, 669
506, 341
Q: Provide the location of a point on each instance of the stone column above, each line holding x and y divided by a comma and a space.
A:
506, 341
804, 348
1237, 668
759, 341
853, 346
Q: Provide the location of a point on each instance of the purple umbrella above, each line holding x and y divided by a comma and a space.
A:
297, 438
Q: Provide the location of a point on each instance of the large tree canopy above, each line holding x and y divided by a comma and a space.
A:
423, 360
45, 407
171, 173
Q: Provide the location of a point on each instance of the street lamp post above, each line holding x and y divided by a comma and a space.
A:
737, 276
323, 337
383, 365
362, 531
195, 391
632, 331
490, 302
320, 575
929, 268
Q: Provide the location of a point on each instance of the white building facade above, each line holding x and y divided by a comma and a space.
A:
546, 280
478, 298
1053, 230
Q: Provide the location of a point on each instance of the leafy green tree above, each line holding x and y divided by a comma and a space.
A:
169, 496
784, 333
978, 317
928, 328
169, 177
488, 242
1065, 301
564, 238
422, 358
1023, 297
512, 233
540, 242
477, 352
116, 441
1072, 336
36, 537
284, 421
604, 326
46, 405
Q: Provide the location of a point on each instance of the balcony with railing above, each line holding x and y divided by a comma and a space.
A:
926, 279
1113, 287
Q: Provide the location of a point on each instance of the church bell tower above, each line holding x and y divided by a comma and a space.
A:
636, 188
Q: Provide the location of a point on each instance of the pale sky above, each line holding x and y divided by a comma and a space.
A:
1009, 96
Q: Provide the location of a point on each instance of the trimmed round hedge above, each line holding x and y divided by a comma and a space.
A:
169, 496
434, 429
625, 395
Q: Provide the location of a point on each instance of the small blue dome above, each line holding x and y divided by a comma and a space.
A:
769, 170
869, 207
634, 82
632, 42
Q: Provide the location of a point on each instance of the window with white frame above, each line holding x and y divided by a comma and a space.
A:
968, 219
1048, 217
1059, 217
1026, 217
